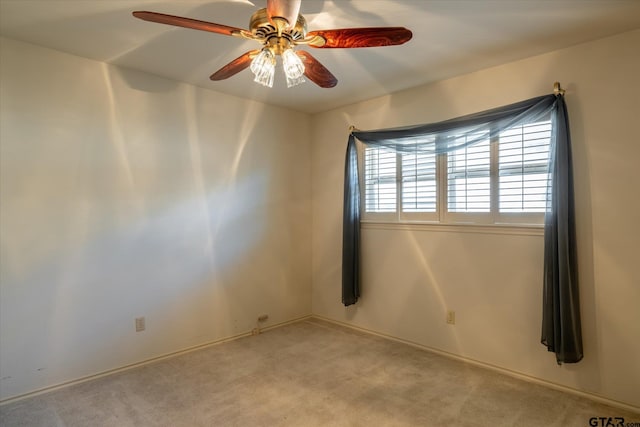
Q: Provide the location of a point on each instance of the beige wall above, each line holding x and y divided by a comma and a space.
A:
493, 281
127, 195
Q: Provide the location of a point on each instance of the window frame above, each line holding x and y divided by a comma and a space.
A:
373, 216
430, 217
442, 215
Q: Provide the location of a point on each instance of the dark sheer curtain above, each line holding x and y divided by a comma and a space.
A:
351, 230
561, 331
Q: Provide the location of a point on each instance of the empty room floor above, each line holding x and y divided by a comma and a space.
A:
309, 373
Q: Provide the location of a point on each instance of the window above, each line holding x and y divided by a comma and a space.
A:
501, 179
419, 183
523, 161
469, 178
380, 180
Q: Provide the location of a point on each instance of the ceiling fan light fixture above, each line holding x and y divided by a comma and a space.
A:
263, 67
291, 82
279, 27
293, 68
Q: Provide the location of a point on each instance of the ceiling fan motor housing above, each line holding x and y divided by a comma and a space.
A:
276, 32
287, 10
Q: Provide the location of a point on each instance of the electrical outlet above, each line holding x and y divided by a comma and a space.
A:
451, 317
140, 325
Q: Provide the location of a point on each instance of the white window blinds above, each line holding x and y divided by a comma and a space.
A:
502, 179
380, 180
523, 161
469, 178
419, 182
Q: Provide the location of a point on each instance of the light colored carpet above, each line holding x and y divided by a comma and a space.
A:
309, 373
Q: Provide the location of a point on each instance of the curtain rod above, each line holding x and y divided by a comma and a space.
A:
557, 90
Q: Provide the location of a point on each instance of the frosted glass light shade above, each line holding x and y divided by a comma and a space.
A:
263, 67
293, 68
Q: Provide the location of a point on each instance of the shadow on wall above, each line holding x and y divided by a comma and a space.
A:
143, 81
133, 203
152, 263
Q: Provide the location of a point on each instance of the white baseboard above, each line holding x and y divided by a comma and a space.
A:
514, 374
142, 363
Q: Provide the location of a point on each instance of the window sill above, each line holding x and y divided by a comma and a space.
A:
509, 229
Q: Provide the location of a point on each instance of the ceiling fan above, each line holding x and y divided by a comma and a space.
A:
279, 28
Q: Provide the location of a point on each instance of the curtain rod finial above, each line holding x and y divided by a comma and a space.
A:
557, 89
352, 128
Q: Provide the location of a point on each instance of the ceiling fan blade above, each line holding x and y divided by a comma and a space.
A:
287, 9
235, 66
315, 71
362, 37
179, 21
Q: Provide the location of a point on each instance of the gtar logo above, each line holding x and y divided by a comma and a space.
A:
606, 422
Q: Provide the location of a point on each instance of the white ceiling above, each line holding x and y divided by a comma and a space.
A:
450, 37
